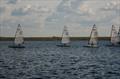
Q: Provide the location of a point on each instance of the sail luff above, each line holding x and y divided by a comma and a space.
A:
119, 35
90, 36
0, 32
63, 31
111, 31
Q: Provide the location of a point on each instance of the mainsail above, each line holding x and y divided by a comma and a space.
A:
65, 36
19, 36
114, 36
93, 36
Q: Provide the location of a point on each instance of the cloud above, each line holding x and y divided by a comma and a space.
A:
85, 10
112, 6
82, 13
2, 10
20, 12
12, 1
41, 15
31, 14
116, 21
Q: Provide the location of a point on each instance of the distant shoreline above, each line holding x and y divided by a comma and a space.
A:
50, 38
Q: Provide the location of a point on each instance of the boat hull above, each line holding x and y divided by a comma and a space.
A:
14, 46
91, 46
62, 45
113, 45
118, 42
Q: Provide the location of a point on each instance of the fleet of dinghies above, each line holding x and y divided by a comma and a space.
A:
65, 41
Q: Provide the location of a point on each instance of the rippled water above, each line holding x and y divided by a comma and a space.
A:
44, 60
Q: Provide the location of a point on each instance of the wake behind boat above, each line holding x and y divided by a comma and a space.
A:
65, 42
93, 42
19, 40
114, 40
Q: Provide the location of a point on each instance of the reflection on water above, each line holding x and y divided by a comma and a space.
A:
43, 60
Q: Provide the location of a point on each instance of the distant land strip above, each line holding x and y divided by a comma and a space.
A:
51, 38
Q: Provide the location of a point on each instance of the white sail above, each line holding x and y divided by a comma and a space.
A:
19, 36
93, 36
114, 35
65, 36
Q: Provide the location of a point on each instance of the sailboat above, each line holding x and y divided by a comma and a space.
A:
119, 36
114, 37
93, 42
19, 39
65, 42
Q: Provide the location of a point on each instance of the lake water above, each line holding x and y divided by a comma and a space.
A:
44, 60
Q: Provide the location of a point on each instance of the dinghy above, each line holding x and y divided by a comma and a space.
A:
19, 40
65, 42
93, 42
114, 37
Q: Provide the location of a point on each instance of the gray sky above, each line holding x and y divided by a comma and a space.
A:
48, 17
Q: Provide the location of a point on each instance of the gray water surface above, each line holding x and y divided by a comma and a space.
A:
44, 60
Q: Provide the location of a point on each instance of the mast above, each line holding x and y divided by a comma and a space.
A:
114, 35
119, 35
19, 36
0, 32
65, 36
93, 36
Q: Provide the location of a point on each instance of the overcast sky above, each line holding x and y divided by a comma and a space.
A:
48, 17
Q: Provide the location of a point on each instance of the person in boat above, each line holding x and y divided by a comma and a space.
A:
19, 45
65, 44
